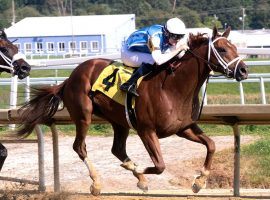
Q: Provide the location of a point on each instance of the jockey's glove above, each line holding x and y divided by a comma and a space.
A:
183, 47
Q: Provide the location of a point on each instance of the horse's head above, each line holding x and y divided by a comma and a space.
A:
223, 57
11, 60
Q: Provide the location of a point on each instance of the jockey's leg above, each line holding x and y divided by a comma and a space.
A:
195, 134
131, 85
119, 150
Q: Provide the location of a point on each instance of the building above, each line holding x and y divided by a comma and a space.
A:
251, 40
90, 35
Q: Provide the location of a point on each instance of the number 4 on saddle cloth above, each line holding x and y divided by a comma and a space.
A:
109, 82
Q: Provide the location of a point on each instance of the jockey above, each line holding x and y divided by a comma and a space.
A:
149, 45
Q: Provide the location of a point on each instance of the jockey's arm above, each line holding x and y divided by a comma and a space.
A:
161, 58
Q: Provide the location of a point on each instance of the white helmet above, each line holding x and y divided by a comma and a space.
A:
175, 26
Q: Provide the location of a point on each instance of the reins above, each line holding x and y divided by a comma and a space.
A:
201, 58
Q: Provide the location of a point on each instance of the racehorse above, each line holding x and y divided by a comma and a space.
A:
11, 60
168, 104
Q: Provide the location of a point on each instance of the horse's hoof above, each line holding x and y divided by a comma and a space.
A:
195, 188
143, 186
198, 183
94, 190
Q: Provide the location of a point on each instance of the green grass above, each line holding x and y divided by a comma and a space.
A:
50, 73
259, 172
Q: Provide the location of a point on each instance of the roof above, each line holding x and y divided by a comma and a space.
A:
68, 25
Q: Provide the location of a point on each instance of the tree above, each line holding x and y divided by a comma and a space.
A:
153, 17
98, 9
259, 14
27, 11
190, 17
164, 5
210, 22
5, 4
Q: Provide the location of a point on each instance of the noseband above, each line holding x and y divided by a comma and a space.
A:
9, 61
221, 61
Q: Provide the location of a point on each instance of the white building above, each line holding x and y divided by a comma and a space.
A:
93, 34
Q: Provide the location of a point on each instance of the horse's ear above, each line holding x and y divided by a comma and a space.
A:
215, 32
227, 32
3, 34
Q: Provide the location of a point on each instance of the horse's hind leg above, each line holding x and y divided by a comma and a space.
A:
81, 112
80, 147
195, 134
119, 150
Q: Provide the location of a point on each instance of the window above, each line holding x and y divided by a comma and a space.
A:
39, 47
28, 47
61, 46
94, 46
83, 46
72, 46
50, 47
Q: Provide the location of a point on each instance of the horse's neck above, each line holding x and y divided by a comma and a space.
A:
203, 68
194, 71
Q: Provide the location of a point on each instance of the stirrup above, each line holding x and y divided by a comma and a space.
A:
131, 89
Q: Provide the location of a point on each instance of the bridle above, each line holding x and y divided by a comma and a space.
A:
221, 61
10, 62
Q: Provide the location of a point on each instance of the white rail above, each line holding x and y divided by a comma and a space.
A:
261, 79
71, 63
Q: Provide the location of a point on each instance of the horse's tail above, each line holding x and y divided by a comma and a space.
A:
41, 108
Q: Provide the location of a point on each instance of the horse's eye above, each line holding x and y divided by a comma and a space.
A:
221, 50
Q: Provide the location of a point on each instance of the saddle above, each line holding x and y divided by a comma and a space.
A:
109, 82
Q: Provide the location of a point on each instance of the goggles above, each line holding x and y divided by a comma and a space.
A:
175, 36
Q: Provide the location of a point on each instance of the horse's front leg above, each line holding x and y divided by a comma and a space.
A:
119, 150
195, 134
151, 143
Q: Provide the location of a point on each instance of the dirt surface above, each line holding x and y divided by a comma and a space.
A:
179, 155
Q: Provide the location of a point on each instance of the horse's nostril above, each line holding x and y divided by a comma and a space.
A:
243, 70
25, 68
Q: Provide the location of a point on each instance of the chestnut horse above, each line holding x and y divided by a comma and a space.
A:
168, 104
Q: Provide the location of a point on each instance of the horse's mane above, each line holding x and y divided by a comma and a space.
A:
196, 40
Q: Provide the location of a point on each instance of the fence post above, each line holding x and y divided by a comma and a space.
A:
242, 96
262, 90
236, 180
27, 89
40, 137
55, 159
204, 95
13, 95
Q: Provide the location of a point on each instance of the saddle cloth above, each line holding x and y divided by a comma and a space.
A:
110, 80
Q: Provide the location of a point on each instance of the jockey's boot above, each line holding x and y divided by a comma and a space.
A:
131, 84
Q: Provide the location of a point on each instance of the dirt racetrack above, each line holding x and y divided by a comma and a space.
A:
22, 163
